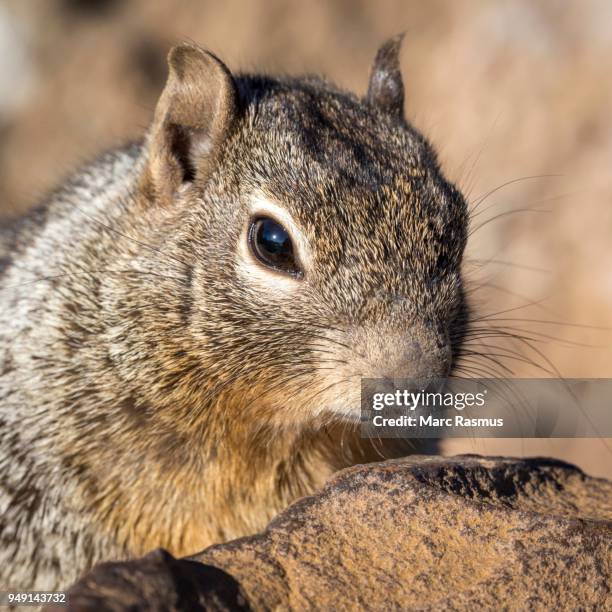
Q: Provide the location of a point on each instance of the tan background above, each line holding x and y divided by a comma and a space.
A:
505, 90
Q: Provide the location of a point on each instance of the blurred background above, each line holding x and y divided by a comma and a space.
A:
516, 96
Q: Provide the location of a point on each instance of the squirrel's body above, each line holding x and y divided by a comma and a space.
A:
160, 388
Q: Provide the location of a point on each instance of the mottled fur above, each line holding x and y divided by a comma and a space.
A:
150, 395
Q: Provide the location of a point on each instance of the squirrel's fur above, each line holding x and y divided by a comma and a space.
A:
151, 394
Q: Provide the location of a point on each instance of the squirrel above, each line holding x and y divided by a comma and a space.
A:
185, 323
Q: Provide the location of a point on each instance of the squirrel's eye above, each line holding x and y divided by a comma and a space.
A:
271, 244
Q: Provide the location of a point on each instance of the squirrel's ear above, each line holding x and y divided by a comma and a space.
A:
386, 89
193, 116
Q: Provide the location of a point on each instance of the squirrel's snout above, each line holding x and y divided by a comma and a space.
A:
412, 361
419, 354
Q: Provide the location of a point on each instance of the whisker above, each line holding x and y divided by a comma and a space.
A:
478, 201
502, 215
500, 262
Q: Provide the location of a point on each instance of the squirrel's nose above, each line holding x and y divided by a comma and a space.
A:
399, 359
416, 352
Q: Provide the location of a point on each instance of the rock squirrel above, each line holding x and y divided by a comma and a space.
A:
185, 323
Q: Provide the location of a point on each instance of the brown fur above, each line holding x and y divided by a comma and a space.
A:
150, 393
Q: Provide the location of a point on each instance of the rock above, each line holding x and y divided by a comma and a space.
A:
156, 583
424, 533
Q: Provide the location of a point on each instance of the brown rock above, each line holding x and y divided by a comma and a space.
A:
420, 533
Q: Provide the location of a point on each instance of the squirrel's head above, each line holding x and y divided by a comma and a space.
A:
325, 245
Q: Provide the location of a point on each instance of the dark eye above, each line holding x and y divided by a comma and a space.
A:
272, 245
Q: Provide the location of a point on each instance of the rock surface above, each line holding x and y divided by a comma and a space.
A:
426, 533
